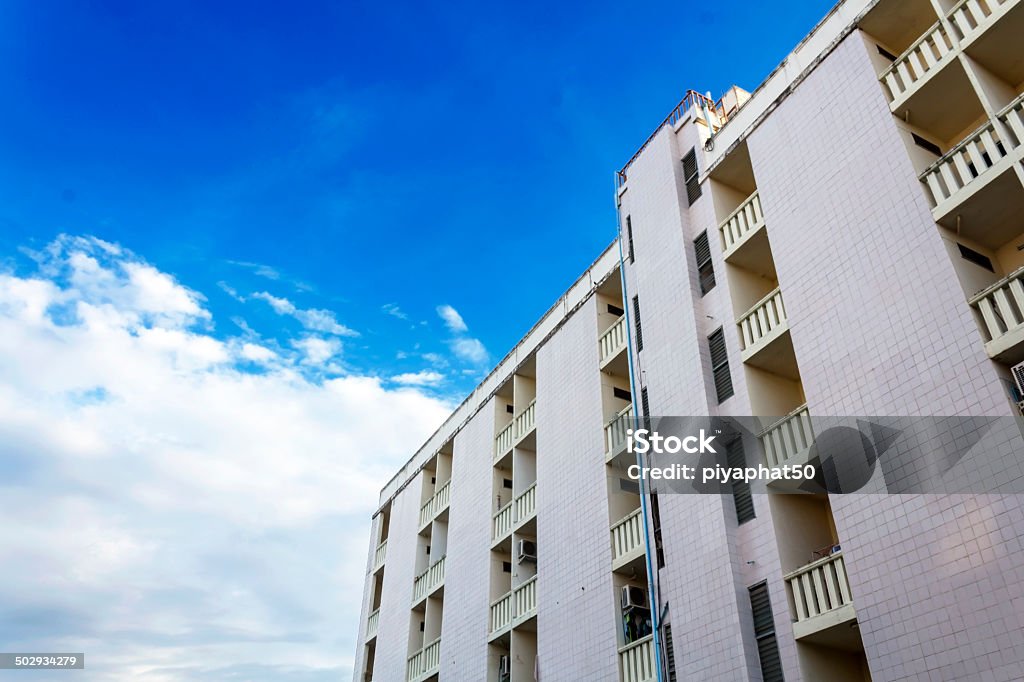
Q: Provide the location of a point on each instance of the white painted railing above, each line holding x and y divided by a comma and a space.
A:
972, 17
525, 597
526, 503
505, 438
615, 430
742, 222
918, 60
1013, 118
787, 437
525, 420
379, 554
428, 580
424, 662
636, 660
502, 521
963, 164
628, 535
820, 587
613, 340
758, 322
1002, 306
501, 612
371, 624
436, 504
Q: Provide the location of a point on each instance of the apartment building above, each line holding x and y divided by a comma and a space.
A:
847, 239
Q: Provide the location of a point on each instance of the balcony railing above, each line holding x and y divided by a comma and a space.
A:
742, 223
613, 340
917, 61
972, 17
371, 624
820, 587
526, 504
636, 660
503, 520
436, 504
525, 598
761, 320
628, 536
964, 164
1002, 311
379, 554
1013, 118
501, 612
504, 440
429, 580
615, 431
787, 437
524, 421
424, 662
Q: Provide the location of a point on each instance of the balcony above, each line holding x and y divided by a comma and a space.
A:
612, 341
788, 441
378, 556
922, 60
525, 599
1002, 312
517, 430
433, 507
502, 521
424, 663
628, 542
636, 661
821, 598
427, 582
615, 433
526, 505
764, 336
740, 228
371, 624
985, 29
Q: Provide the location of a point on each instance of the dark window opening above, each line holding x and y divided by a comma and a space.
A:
636, 324
691, 176
925, 144
510, 409
764, 633
741, 494
629, 239
705, 270
720, 366
980, 259
622, 394
659, 546
506, 566
506, 483
885, 53
616, 310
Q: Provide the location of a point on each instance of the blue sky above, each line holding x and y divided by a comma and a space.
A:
284, 231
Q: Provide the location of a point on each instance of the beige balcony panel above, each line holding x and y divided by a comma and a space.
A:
613, 341
919, 62
763, 323
525, 598
787, 441
821, 596
504, 440
615, 432
627, 539
636, 661
424, 662
526, 504
502, 521
428, 581
379, 555
501, 614
1002, 313
741, 225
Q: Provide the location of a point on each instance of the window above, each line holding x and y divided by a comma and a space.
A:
622, 394
973, 256
645, 405
691, 177
764, 632
670, 654
741, 494
925, 144
616, 310
629, 238
636, 324
720, 366
659, 546
705, 270
885, 53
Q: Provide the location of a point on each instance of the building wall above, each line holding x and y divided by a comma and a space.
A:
576, 624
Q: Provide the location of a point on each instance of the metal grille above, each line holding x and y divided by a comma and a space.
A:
636, 324
670, 655
690, 176
720, 366
764, 632
705, 270
741, 494
629, 238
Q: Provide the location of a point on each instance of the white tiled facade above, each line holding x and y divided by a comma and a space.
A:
886, 156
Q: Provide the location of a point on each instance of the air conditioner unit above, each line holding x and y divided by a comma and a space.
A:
1018, 377
527, 552
504, 670
634, 597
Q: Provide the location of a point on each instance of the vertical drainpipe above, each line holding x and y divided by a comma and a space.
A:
651, 574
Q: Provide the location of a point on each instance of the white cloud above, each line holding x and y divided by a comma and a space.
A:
452, 319
313, 319
422, 378
470, 350
318, 350
258, 269
164, 509
393, 310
